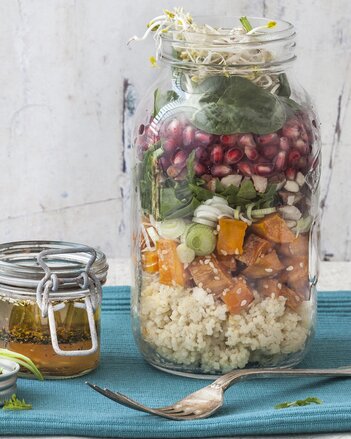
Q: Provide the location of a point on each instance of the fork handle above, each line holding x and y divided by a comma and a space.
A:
230, 378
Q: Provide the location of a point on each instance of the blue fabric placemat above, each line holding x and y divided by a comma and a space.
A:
71, 408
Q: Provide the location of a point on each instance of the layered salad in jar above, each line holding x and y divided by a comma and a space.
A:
225, 176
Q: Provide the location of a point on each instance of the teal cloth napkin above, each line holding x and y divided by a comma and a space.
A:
69, 407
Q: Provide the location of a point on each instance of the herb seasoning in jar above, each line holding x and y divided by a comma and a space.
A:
50, 299
227, 173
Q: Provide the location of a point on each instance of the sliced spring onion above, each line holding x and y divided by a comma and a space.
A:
185, 254
215, 199
22, 360
303, 225
171, 229
205, 222
201, 239
261, 212
224, 209
183, 235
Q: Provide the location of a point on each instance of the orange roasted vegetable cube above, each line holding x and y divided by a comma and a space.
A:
227, 262
298, 247
266, 266
238, 297
171, 269
273, 228
254, 247
296, 275
149, 261
272, 287
231, 236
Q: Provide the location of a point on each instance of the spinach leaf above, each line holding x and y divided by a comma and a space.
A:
161, 99
284, 89
236, 105
247, 190
147, 175
291, 104
200, 193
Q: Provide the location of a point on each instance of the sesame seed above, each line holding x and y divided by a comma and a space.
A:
207, 261
217, 278
290, 268
243, 303
201, 262
215, 271
237, 251
301, 264
211, 265
165, 252
239, 291
209, 290
279, 286
164, 267
265, 286
201, 285
268, 270
224, 253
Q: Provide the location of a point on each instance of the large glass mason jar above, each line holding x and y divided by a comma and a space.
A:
225, 203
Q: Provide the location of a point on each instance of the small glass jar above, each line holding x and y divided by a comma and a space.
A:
226, 202
50, 305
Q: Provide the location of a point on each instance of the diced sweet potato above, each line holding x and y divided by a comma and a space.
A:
273, 228
171, 269
272, 287
208, 274
295, 275
231, 236
150, 261
254, 247
238, 297
265, 266
298, 247
227, 262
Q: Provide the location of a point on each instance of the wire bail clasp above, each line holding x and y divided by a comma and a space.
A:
50, 283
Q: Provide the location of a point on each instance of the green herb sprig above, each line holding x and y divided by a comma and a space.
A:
16, 404
299, 403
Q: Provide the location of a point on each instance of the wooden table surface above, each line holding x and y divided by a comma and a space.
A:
333, 276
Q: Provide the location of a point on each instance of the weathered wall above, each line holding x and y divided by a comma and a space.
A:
69, 83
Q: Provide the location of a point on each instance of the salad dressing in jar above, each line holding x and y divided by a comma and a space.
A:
50, 300
226, 199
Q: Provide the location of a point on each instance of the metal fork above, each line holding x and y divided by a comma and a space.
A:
208, 400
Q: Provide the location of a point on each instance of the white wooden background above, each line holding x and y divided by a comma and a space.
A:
69, 85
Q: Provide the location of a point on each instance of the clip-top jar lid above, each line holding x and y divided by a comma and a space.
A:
19, 266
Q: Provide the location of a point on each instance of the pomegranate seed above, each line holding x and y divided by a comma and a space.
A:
302, 163
269, 151
173, 171
245, 169
217, 155
182, 175
228, 140
290, 173
206, 177
164, 162
264, 169
201, 153
294, 157
247, 140
203, 138
199, 169
280, 161
169, 146
291, 129
301, 146
284, 144
141, 129
188, 136
179, 158
220, 170
233, 155
251, 153
174, 129
268, 139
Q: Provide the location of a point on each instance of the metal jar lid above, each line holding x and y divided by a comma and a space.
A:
19, 265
